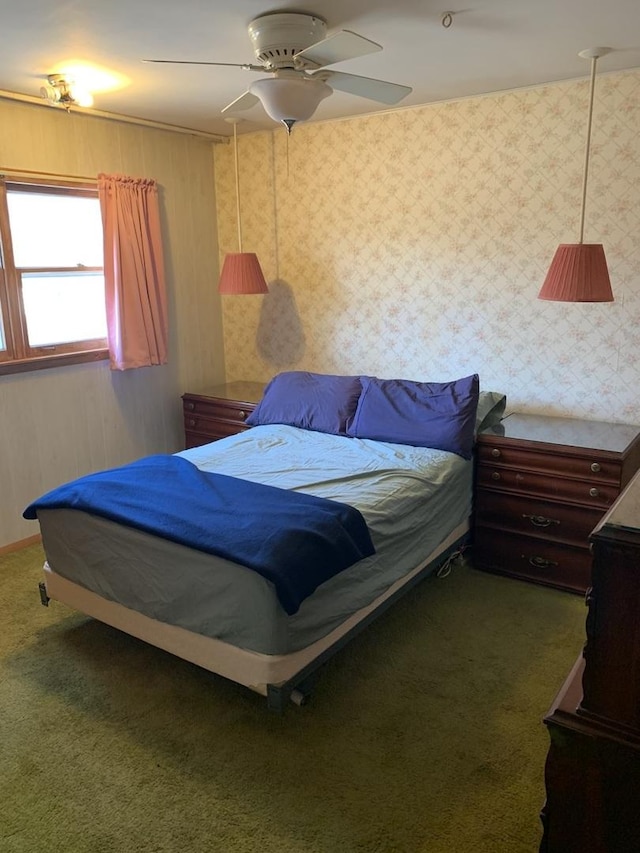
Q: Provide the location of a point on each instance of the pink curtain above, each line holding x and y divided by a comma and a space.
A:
137, 325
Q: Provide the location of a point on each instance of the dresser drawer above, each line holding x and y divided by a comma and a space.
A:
529, 516
583, 492
589, 467
549, 563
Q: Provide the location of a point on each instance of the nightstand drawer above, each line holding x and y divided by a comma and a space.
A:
199, 423
584, 492
196, 439
590, 467
553, 564
224, 410
219, 412
558, 522
212, 428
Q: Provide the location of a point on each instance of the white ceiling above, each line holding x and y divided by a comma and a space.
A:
491, 45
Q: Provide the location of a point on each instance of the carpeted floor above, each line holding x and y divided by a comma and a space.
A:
423, 736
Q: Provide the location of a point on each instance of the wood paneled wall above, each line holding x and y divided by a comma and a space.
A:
61, 423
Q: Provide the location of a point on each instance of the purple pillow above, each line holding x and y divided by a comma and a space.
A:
424, 414
315, 401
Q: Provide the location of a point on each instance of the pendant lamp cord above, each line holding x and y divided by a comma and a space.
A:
594, 59
235, 154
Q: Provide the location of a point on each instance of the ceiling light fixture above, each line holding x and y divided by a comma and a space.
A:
60, 90
289, 98
578, 271
241, 271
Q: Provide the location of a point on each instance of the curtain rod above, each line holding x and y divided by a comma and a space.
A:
175, 128
5, 170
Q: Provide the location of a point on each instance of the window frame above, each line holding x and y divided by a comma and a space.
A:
18, 356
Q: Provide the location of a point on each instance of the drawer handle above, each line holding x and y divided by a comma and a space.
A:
190, 406
594, 492
192, 422
495, 475
242, 414
541, 562
495, 452
595, 467
541, 520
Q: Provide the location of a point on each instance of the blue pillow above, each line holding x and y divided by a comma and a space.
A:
423, 414
315, 401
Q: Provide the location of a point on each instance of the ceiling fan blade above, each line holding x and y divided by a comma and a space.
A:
244, 102
366, 87
336, 48
246, 66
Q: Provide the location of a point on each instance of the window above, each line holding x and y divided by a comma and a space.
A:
52, 307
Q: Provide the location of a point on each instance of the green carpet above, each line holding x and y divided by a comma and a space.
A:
424, 735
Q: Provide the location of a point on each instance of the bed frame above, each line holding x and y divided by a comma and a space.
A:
281, 678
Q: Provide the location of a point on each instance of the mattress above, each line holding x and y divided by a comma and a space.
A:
411, 498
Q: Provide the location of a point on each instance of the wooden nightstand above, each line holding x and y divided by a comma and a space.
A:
219, 411
542, 485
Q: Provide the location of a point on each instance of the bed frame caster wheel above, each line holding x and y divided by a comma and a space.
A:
298, 697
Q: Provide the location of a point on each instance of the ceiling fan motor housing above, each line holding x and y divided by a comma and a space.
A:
277, 38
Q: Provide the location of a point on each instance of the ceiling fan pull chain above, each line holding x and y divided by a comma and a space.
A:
288, 135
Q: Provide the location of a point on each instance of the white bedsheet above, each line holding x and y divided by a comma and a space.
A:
381, 479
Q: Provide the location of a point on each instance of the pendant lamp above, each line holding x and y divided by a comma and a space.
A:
241, 271
578, 271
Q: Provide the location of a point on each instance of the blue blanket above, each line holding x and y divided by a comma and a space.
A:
295, 540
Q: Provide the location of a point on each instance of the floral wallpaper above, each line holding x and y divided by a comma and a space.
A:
413, 243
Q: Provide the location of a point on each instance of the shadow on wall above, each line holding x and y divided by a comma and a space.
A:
280, 338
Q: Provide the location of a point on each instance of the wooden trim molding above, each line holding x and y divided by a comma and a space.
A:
18, 546
174, 128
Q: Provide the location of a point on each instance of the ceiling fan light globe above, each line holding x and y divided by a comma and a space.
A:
289, 98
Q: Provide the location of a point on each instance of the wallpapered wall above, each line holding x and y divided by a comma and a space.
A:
414, 243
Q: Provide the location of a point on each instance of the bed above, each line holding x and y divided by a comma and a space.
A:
226, 616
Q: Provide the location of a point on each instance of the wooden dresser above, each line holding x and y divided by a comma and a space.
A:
542, 485
219, 411
592, 773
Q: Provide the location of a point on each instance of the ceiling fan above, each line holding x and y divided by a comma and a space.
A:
294, 48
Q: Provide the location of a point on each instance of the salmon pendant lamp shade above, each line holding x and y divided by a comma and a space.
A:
578, 271
241, 271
